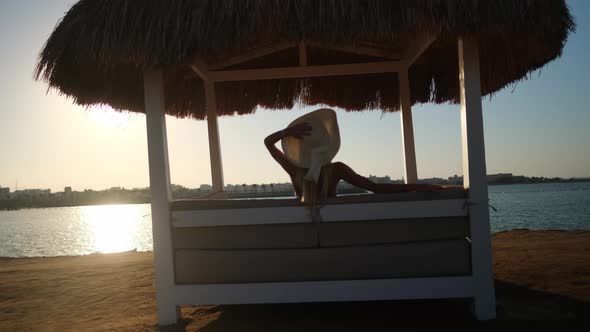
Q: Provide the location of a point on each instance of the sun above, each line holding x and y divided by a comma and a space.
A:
106, 116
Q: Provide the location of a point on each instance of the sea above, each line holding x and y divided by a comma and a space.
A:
70, 231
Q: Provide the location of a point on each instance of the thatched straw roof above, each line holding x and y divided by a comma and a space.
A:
98, 51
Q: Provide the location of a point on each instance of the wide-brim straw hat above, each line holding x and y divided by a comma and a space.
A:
317, 149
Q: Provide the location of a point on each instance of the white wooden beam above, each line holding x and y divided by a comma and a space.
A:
409, 150
330, 213
359, 49
418, 48
258, 52
168, 312
200, 68
251, 55
244, 216
326, 291
307, 71
213, 130
475, 178
302, 53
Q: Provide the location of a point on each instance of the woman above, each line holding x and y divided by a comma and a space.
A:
331, 173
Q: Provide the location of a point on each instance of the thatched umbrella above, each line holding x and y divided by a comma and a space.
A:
98, 51
203, 58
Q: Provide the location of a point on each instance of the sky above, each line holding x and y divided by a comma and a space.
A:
538, 127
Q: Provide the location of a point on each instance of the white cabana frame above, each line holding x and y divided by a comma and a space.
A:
479, 285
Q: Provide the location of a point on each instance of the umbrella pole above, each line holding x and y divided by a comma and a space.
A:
475, 178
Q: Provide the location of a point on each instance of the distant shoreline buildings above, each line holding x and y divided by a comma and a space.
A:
36, 198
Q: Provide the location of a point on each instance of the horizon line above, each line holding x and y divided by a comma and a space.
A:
288, 182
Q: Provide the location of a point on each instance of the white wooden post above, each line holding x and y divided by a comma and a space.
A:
410, 171
302, 54
306, 71
168, 312
213, 129
475, 178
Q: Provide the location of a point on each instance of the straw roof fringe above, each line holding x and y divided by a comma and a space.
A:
98, 51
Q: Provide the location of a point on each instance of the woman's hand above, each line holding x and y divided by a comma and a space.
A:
298, 131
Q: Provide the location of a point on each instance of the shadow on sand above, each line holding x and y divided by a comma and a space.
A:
514, 302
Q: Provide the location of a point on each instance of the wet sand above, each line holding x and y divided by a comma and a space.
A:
539, 275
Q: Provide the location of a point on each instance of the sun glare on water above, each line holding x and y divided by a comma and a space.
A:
112, 227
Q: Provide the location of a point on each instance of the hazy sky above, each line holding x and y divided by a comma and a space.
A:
539, 127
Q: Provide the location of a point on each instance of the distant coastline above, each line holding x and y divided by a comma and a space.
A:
43, 198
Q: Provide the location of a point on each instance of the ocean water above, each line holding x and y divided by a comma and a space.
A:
540, 206
115, 228
68, 231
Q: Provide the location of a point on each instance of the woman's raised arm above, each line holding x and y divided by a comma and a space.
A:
297, 131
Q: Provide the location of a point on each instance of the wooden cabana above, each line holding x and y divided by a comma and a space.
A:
203, 59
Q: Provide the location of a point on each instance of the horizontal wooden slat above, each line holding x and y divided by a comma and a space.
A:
437, 258
272, 236
329, 213
449, 192
325, 291
373, 232
254, 216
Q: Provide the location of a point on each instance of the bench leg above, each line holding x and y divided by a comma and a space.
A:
168, 314
484, 308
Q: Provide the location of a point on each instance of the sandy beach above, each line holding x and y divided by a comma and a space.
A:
539, 275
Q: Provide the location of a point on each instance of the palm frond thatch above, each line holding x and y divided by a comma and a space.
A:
98, 51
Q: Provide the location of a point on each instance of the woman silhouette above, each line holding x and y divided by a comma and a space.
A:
323, 185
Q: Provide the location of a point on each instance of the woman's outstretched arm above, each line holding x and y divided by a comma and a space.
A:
344, 172
297, 131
